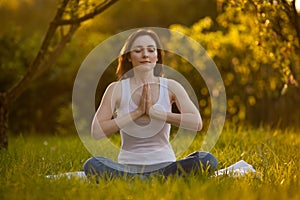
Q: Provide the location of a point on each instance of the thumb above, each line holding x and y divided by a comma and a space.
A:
148, 92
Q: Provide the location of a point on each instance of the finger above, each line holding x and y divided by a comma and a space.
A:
148, 93
142, 103
145, 91
149, 102
143, 95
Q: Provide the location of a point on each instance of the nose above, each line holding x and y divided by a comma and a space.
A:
145, 53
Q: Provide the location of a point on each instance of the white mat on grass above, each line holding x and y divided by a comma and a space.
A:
69, 175
238, 169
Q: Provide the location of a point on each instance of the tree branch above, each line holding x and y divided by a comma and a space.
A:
57, 50
15, 91
296, 21
98, 9
293, 17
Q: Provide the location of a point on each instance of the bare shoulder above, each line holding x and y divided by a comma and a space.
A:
176, 90
114, 86
113, 91
175, 86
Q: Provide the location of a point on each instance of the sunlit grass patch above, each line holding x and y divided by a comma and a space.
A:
273, 153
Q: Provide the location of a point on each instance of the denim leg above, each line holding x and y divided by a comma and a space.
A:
193, 163
207, 160
103, 167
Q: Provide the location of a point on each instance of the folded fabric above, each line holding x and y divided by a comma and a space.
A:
238, 169
69, 175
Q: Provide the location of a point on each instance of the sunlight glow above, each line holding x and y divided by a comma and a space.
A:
297, 4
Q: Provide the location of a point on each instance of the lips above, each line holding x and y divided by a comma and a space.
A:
145, 62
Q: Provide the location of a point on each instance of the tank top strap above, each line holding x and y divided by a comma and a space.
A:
164, 93
125, 93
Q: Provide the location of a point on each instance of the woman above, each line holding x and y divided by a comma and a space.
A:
143, 100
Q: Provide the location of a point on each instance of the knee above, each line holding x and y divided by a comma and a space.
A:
89, 166
207, 160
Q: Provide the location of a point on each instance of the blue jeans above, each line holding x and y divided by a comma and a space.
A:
193, 163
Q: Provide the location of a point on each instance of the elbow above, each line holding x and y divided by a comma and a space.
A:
193, 122
200, 124
96, 131
96, 134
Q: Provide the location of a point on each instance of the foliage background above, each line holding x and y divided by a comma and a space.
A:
259, 66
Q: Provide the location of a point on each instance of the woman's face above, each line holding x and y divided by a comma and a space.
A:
143, 51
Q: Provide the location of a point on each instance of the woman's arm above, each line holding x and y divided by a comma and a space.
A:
189, 116
103, 124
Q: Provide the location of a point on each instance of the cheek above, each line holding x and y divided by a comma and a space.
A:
156, 55
133, 56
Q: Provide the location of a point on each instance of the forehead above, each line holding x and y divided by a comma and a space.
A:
143, 40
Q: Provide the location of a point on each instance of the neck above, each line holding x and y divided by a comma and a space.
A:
143, 77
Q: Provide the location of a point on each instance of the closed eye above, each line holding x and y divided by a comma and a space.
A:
137, 50
151, 49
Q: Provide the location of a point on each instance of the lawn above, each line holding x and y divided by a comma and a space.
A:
273, 153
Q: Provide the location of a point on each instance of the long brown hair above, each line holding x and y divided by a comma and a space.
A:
124, 66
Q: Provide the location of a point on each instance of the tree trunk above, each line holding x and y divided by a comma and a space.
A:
3, 121
45, 58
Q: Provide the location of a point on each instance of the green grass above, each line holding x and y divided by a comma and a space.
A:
273, 153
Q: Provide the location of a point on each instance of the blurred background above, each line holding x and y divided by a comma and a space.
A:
255, 45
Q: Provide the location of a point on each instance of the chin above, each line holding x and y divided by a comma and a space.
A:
148, 66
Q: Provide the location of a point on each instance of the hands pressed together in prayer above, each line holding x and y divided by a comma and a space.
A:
146, 106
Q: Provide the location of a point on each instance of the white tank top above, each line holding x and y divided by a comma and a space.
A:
145, 144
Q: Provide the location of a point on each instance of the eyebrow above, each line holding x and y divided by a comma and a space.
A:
140, 46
